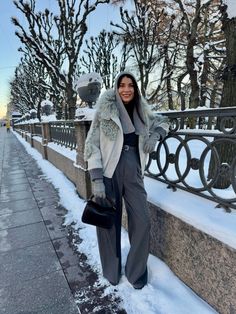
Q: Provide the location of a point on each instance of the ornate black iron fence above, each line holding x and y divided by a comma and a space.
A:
63, 133
199, 154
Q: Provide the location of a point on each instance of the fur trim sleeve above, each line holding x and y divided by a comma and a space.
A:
157, 123
92, 153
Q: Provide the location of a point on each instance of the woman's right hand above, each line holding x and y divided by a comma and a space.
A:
98, 188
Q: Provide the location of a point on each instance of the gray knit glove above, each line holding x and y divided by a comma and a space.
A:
150, 143
98, 188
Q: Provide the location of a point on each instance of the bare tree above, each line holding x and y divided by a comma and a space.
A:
100, 56
227, 150
29, 86
56, 40
192, 22
204, 48
191, 50
229, 75
138, 32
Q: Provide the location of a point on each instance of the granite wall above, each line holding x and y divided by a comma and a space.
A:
202, 262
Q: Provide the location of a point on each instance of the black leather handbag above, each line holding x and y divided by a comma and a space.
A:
98, 215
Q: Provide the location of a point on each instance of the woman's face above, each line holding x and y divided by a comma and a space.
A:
126, 90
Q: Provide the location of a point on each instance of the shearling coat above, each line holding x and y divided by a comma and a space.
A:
105, 138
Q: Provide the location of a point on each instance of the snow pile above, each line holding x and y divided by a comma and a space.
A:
31, 121
88, 78
49, 118
46, 103
85, 114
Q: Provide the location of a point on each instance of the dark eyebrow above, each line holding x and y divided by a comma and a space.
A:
131, 84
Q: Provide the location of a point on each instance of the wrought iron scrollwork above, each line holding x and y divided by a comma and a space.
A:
197, 160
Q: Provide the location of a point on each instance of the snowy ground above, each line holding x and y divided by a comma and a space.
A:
165, 293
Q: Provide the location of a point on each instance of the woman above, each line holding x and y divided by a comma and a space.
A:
121, 135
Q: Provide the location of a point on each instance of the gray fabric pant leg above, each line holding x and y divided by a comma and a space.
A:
126, 182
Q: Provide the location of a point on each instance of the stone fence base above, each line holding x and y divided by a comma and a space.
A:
202, 262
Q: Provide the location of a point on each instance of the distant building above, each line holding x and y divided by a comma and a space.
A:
15, 115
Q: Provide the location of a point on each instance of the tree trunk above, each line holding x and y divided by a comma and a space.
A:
227, 151
168, 79
195, 90
71, 110
229, 75
39, 111
71, 102
210, 123
181, 96
204, 78
191, 64
194, 95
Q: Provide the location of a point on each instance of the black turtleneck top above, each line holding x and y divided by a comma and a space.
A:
130, 139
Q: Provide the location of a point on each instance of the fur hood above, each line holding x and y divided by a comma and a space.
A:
106, 105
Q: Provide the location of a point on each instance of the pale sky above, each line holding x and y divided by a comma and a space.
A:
231, 10
9, 43
8, 53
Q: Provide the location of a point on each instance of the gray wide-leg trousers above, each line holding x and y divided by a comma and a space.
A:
126, 182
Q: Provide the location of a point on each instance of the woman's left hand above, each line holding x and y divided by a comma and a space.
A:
98, 188
150, 143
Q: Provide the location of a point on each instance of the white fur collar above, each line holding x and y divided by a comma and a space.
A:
106, 105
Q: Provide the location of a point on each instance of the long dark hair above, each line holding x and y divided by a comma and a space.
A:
136, 100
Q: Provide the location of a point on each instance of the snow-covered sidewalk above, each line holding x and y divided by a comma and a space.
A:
164, 294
